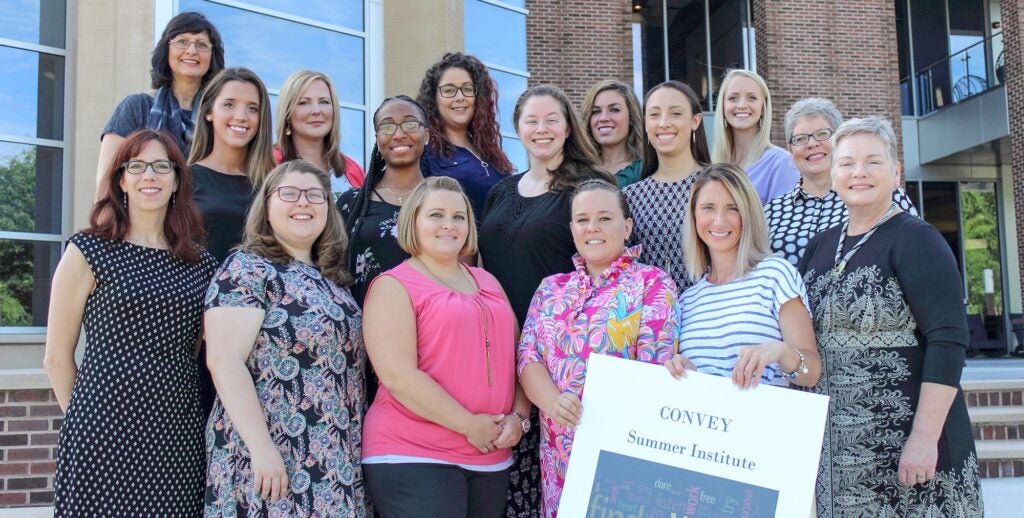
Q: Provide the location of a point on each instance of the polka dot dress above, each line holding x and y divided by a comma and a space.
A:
132, 441
659, 210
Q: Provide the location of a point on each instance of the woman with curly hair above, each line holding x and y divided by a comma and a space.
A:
460, 100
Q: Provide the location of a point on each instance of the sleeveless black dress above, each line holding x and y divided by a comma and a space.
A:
132, 441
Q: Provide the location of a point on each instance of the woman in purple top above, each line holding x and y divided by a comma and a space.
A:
460, 101
743, 125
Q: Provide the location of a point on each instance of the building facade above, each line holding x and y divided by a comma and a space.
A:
944, 71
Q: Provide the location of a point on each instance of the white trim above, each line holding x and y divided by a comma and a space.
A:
509, 134
14, 235
45, 142
24, 379
35, 47
507, 70
373, 81
27, 335
292, 18
503, 5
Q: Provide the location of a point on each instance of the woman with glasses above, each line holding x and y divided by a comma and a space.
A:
615, 127
131, 442
187, 55
812, 206
460, 100
743, 127
309, 127
286, 352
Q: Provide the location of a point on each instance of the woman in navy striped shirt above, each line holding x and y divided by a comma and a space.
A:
746, 316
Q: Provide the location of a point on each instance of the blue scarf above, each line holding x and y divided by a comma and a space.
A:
166, 115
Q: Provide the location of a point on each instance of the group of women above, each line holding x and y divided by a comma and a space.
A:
413, 340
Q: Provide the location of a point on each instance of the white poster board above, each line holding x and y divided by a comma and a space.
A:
651, 446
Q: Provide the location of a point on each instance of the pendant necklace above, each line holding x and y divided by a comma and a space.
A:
400, 197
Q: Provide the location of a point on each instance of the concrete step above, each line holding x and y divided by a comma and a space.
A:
993, 392
1000, 450
996, 415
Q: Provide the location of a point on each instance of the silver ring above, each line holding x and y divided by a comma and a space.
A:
922, 477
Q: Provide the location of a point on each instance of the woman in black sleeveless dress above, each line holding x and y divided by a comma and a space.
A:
131, 443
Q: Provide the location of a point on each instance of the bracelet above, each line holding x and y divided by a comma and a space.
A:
800, 369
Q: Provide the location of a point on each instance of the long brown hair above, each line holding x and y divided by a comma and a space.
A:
699, 141
259, 154
579, 158
289, 96
329, 249
635, 136
183, 226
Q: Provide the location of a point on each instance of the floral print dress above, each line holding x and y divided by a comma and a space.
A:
307, 367
629, 312
374, 248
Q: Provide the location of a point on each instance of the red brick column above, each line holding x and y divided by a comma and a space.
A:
29, 422
1013, 51
573, 44
841, 50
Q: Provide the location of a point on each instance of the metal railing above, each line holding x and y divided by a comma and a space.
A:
958, 77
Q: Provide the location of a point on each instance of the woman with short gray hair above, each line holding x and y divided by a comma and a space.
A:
892, 336
812, 206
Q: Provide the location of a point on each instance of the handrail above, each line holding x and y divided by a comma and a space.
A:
961, 51
944, 83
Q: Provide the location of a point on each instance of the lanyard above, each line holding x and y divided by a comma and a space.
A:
841, 260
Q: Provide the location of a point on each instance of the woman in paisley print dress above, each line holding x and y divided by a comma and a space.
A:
610, 304
885, 292
287, 357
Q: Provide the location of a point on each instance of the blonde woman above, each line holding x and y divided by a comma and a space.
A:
286, 352
746, 315
615, 127
743, 125
441, 335
309, 127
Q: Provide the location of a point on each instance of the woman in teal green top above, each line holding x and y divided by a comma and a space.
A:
615, 127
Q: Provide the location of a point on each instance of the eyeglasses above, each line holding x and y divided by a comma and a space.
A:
140, 166
291, 194
390, 128
468, 90
182, 44
803, 138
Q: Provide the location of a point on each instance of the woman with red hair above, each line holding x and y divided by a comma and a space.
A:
132, 437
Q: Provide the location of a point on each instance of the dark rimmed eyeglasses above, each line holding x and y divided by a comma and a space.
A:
314, 195
468, 90
803, 138
390, 128
140, 166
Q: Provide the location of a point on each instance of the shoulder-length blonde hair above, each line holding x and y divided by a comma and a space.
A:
259, 154
753, 245
329, 249
291, 92
724, 151
407, 216
635, 136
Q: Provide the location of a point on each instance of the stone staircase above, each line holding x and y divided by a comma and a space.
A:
996, 407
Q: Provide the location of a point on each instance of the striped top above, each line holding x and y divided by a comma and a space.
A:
716, 321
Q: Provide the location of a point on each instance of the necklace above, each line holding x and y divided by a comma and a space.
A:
400, 197
483, 314
841, 260
483, 164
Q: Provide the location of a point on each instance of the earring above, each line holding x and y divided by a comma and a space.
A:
172, 198
288, 130
209, 118
125, 197
693, 137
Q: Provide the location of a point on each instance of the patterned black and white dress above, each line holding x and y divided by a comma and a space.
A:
892, 320
132, 441
659, 210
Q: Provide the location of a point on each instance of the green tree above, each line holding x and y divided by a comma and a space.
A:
17, 205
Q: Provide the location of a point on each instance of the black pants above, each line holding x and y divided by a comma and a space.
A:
435, 490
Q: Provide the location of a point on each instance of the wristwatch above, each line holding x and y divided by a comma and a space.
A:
800, 369
523, 421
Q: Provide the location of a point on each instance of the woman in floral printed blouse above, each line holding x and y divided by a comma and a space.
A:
611, 304
287, 357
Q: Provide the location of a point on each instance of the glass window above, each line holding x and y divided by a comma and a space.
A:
31, 93
345, 13
516, 154
26, 268
33, 21
726, 42
353, 135
274, 48
510, 87
495, 35
30, 188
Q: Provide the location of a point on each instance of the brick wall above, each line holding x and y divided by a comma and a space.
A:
29, 421
573, 44
841, 50
1013, 50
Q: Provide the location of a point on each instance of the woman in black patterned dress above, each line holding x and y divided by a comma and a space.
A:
525, 235
885, 292
131, 443
286, 353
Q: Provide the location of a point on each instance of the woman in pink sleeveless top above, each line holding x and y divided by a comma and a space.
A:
441, 336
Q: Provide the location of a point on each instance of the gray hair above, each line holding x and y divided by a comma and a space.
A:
873, 125
811, 107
